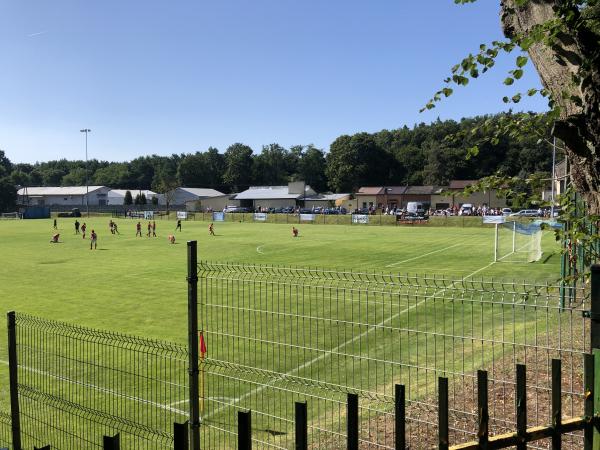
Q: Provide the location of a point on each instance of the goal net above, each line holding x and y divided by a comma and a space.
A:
518, 242
10, 215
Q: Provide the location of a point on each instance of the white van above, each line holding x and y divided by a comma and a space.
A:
466, 209
415, 207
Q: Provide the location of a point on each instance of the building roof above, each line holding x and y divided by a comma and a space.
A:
420, 190
58, 190
272, 193
201, 192
394, 190
381, 190
370, 190
461, 184
134, 192
327, 197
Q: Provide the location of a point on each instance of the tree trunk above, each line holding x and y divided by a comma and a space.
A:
577, 52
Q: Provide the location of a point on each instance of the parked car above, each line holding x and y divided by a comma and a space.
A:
525, 213
506, 211
236, 209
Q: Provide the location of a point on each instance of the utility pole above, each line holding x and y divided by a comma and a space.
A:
87, 189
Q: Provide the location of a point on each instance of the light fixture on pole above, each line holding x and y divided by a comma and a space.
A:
87, 193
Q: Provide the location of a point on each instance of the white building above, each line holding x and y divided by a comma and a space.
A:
275, 196
63, 196
183, 195
117, 196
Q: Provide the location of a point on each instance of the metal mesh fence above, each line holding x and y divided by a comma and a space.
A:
276, 335
77, 384
5, 430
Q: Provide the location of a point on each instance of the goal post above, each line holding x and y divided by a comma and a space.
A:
11, 215
517, 242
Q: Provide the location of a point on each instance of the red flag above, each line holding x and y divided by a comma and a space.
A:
202, 345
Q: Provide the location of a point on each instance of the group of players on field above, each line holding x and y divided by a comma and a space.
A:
114, 229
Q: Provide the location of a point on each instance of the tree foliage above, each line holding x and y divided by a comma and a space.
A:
128, 200
422, 154
562, 40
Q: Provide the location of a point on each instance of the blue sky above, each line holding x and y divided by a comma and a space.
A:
177, 77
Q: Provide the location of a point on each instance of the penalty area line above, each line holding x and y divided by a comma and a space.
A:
424, 255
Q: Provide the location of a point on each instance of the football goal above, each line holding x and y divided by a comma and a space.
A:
10, 215
518, 242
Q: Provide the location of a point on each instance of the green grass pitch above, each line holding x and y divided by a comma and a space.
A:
137, 285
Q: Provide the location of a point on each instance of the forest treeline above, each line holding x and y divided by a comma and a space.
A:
421, 155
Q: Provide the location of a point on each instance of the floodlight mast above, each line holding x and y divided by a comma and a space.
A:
87, 192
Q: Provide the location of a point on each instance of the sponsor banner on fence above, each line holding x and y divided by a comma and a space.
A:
218, 216
494, 219
182, 215
307, 217
148, 215
360, 218
260, 216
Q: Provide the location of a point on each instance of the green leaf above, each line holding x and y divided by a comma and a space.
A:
508, 81
505, 99
521, 61
473, 151
531, 92
517, 73
516, 98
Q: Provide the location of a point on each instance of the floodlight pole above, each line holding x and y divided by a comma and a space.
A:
87, 191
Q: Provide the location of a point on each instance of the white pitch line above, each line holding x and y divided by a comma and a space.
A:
101, 389
222, 399
330, 352
422, 256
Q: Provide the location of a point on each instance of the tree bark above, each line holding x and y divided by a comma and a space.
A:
576, 52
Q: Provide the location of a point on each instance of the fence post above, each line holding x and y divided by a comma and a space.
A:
111, 442
301, 426
556, 405
521, 407
180, 436
192, 279
13, 380
443, 437
596, 396
482, 401
400, 418
595, 307
245, 430
352, 421
588, 388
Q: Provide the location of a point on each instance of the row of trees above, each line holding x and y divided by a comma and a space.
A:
418, 155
